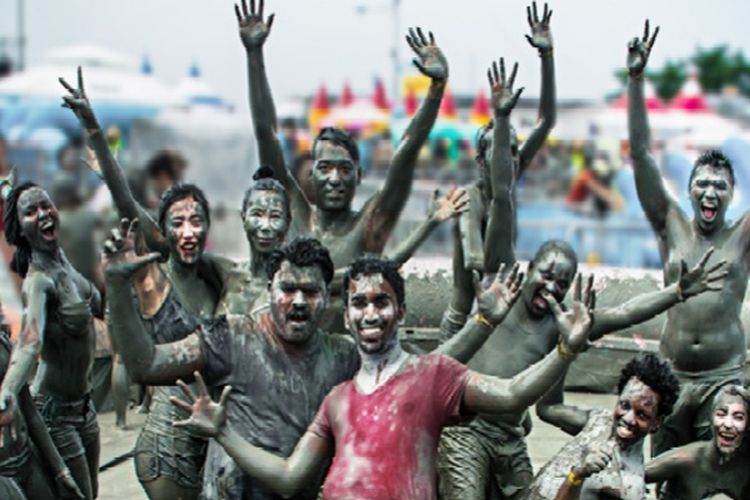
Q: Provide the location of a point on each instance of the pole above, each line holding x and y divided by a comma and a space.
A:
395, 52
21, 36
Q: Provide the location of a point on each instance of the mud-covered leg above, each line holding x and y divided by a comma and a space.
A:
458, 310
120, 391
463, 465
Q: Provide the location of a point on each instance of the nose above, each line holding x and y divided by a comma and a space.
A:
370, 313
334, 177
550, 286
299, 299
629, 417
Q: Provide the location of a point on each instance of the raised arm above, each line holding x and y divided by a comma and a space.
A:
432, 63
498, 241
669, 464
442, 208
494, 303
692, 282
284, 476
146, 362
652, 193
110, 170
540, 39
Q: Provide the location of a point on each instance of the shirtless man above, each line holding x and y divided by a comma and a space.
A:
488, 456
382, 428
704, 340
605, 459
704, 468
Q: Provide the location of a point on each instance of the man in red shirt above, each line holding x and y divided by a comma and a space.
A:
381, 429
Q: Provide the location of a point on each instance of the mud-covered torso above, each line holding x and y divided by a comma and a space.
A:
705, 332
707, 478
242, 292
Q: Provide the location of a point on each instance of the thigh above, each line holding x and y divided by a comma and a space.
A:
90, 439
511, 468
164, 488
463, 465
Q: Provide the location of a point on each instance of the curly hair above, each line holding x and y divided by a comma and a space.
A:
302, 252
13, 235
373, 264
655, 373
178, 192
338, 137
716, 159
266, 181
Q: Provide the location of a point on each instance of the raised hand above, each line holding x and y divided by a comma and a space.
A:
66, 485
501, 90
699, 279
574, 323
639, 50
207, 418
7, 183
77, 101
253, 30
541, 36
430, 59
495, 301
119, 257
452, 204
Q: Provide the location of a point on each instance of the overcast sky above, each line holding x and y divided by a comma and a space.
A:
327, 41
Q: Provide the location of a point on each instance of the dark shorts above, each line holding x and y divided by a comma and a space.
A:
72, 425
691, 417
177, 457
483, 461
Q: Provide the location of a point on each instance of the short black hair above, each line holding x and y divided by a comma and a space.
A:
13, 234
559, 246
714, 158
482, 142
338, 137
166, 161
655, 373
374, 264
178, 192
266, 181
733, 390
302, 252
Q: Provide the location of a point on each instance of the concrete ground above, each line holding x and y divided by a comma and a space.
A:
120, 483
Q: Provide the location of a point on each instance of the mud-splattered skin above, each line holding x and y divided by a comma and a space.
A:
700, 469
688, 340
298, 296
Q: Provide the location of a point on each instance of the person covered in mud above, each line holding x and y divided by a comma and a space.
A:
605, 459
705, 354
387, 420
336, 170
173, 297
489, 455
704, 468
29, 471
469, 234
59, 308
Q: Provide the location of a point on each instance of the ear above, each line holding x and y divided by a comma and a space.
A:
401, 313
359, 174
657, 425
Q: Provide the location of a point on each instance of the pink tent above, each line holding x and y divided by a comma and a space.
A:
653, 103
346, 97
690, 98
379, 98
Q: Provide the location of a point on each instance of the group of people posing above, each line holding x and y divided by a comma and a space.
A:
284, 375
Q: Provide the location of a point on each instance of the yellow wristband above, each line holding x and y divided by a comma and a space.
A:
572, 479
479, 318
680, 296
564, 353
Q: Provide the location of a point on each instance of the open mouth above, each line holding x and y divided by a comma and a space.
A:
47, 230
624, 432
726, 439
188, 249
709, 211
297, 317
540, 303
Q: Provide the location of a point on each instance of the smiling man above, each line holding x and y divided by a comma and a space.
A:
605, 459
704, 468
705, 341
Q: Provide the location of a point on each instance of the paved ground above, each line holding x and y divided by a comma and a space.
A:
120, 483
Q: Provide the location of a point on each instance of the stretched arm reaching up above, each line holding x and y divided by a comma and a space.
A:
540, 39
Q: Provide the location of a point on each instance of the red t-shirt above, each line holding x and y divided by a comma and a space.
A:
386, 442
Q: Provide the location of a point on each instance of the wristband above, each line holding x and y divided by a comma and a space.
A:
481, 319
572, 479
680, 295
564, 353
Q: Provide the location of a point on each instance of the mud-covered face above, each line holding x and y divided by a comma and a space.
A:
298, 297
636, 413
38, 219
729, 423
553, 272
266, 220
372, 313
335, 176
710, 194
186, 230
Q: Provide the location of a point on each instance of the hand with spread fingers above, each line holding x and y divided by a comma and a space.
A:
207, 417
541, 36
430, 59
699, 279
253, 30
120, 259
454, 203
77, 102
574, 323
495, 301
639, 50
501, 89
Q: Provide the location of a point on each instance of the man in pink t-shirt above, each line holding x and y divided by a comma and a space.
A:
381, 429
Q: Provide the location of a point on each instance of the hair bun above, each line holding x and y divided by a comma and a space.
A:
264, 172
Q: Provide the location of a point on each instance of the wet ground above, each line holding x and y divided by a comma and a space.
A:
120, 483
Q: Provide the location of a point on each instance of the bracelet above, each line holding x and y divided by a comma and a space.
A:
545, 52
680, 295
572, 479
481, 319
564, 353
62, 473
638, 76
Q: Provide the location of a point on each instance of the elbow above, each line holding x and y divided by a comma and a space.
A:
545, 413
